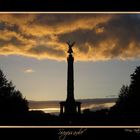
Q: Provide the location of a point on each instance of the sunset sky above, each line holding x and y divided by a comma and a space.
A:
33, 53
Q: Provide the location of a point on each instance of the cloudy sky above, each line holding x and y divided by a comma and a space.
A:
33, 52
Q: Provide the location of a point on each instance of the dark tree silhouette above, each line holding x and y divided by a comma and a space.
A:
122, 102
134, 91
11, 100
128, 102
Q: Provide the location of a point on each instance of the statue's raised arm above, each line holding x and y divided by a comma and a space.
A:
70, 45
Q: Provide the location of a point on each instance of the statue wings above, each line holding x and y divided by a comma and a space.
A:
70, 44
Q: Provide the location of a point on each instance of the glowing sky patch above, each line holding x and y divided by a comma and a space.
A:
29, 70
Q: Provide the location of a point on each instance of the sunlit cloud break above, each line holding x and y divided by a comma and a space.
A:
92, 104
97, 36
92, 107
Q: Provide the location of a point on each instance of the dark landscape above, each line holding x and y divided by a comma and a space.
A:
124, 112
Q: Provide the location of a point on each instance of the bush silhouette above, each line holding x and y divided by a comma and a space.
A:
11, 100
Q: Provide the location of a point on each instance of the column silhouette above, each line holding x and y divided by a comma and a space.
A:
70, 106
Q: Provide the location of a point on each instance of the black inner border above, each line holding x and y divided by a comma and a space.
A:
69, 5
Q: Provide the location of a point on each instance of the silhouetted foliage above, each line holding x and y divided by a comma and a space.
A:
11, 100
122, 102
128, 102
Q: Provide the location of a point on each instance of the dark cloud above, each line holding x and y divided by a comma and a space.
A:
121, 30
83, 36
9, 27
13, 41
60, 19
125, 29
42, 50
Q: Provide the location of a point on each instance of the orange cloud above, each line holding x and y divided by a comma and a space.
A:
97, 36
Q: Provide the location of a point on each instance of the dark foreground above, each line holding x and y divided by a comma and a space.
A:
38, 118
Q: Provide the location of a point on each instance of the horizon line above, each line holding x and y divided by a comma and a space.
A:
75, 99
